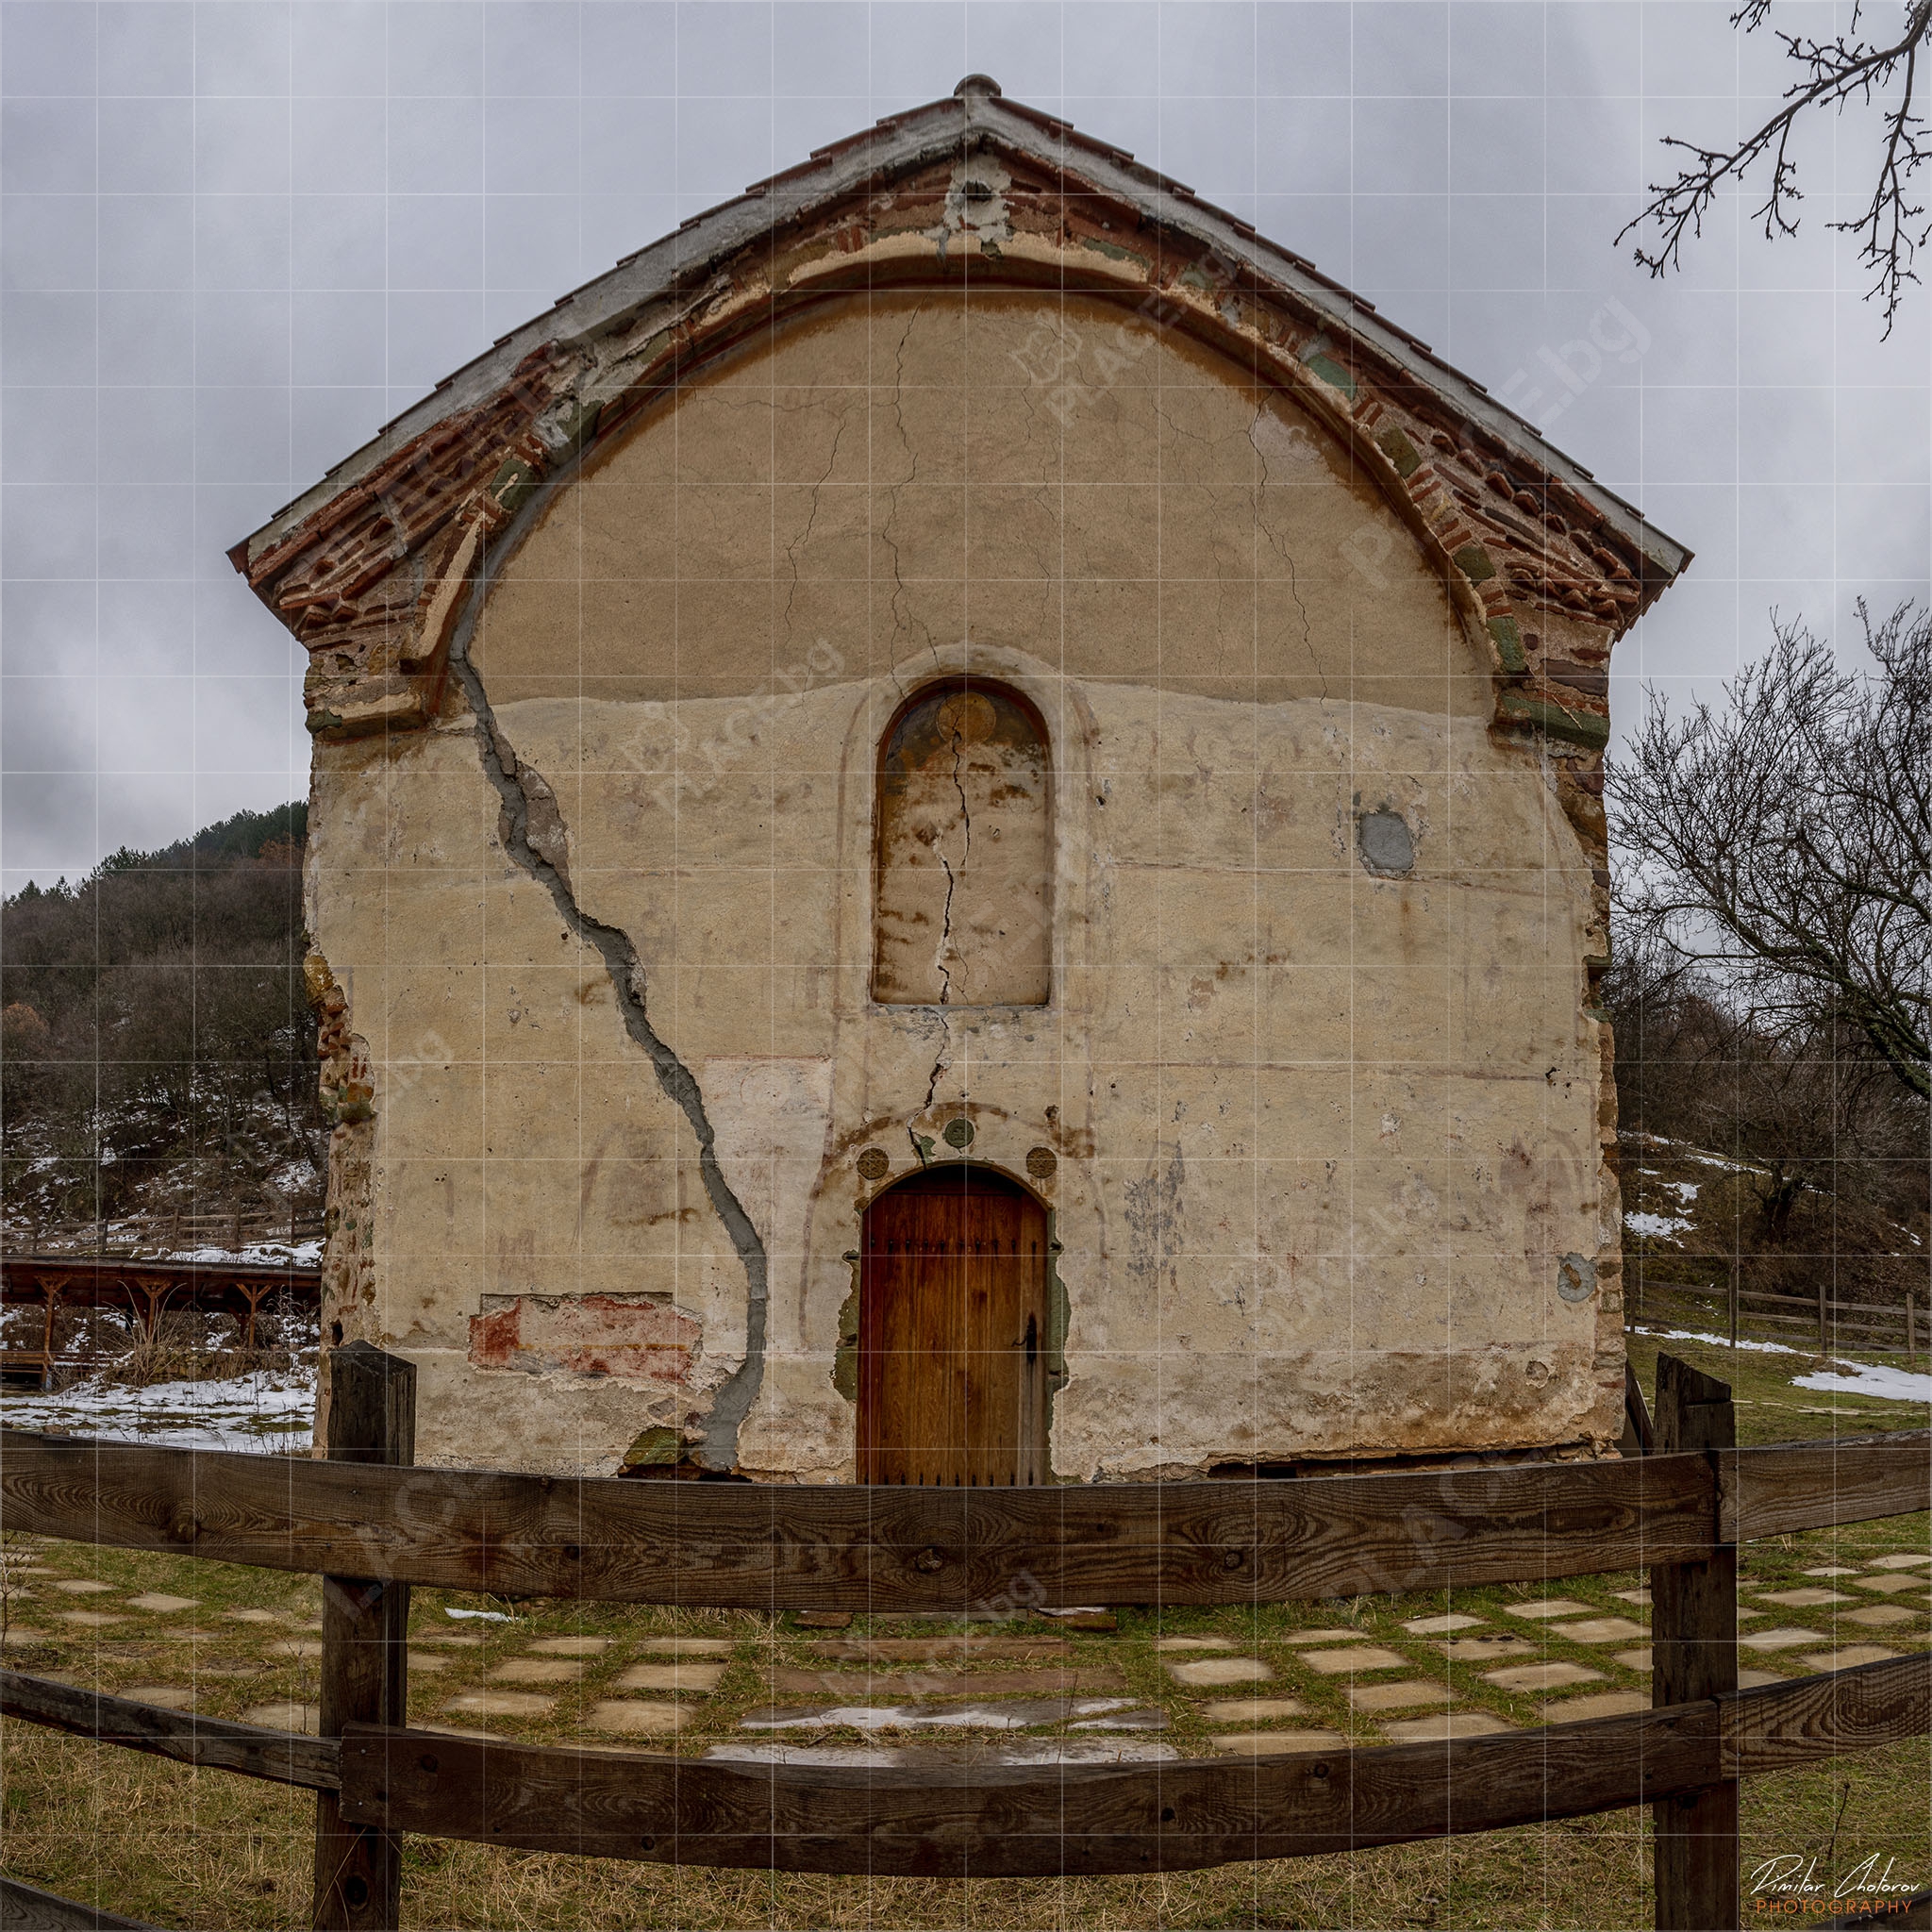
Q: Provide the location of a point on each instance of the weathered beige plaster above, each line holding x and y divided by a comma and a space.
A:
1322, 1139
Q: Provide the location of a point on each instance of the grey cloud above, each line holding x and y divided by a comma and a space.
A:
308, 215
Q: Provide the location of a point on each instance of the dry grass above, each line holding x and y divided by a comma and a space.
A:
183, 1848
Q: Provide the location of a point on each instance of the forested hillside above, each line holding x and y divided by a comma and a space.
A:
157, 1051
1790, 1152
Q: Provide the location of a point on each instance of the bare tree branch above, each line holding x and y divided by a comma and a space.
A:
1833, 73
1785, 843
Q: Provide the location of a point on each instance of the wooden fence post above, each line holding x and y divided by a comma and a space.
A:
365, 1629
1693, 1625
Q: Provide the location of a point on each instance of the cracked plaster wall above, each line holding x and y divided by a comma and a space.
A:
1320, 1140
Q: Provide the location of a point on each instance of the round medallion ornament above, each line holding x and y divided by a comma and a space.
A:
1041, 1163
874, 1164
960, 1132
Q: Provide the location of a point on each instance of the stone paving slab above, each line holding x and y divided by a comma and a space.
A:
1831, 1570
536, 1669
1889, 1585
1020, 1714
169, 1696
1899, 1562
427, 1660
1545, 1608
83, 1585
570, 1646
1632, 1596
1879, 1616
1148, 1718
161, 1602
629, 1717
675, 1677
89, 1620
1444, 1724
942, 1650
443, 1639
1322, 1636
1752, 1680
1640, 1659
255, 1617
892, 1756
1252, 1710
1845, 1658
1441, 1626
1403, 1696
1210, 1671
1783, 1638
1576, 1710
687, 1646
1549, 1676
285, 1717
1335, 1663
1476, 1650
1600, 1630
502, 1703
1267, 1744
1167, 1643
1813, 1594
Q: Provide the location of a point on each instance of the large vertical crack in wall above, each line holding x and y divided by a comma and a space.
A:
532, 831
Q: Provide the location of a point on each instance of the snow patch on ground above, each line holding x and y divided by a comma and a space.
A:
1879, 1379
272, 1410
1656, 1226
257, 1255
1718, 1341
1869, 1378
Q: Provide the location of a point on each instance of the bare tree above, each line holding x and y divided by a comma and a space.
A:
1832, 73
1785, 843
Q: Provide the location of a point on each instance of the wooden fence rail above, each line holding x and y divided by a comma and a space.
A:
369, 1526
750, 1546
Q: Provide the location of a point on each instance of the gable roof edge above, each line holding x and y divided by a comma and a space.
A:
681, 260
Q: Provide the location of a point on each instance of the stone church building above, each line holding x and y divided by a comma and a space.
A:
957, 837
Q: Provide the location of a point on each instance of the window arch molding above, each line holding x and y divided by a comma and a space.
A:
962, 849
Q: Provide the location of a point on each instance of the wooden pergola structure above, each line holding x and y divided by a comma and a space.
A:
142, 1292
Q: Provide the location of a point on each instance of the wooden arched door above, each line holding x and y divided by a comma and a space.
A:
952, 1333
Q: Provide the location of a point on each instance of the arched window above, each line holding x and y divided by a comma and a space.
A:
963, 857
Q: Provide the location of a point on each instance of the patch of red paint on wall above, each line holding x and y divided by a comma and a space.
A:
634, 1338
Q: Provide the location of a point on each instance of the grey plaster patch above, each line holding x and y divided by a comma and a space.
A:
533, 836
1575, 1278
1388, 847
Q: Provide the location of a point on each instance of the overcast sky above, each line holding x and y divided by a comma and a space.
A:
239, 237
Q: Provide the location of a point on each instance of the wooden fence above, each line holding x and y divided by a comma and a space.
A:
1870, 1326
373, 1525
